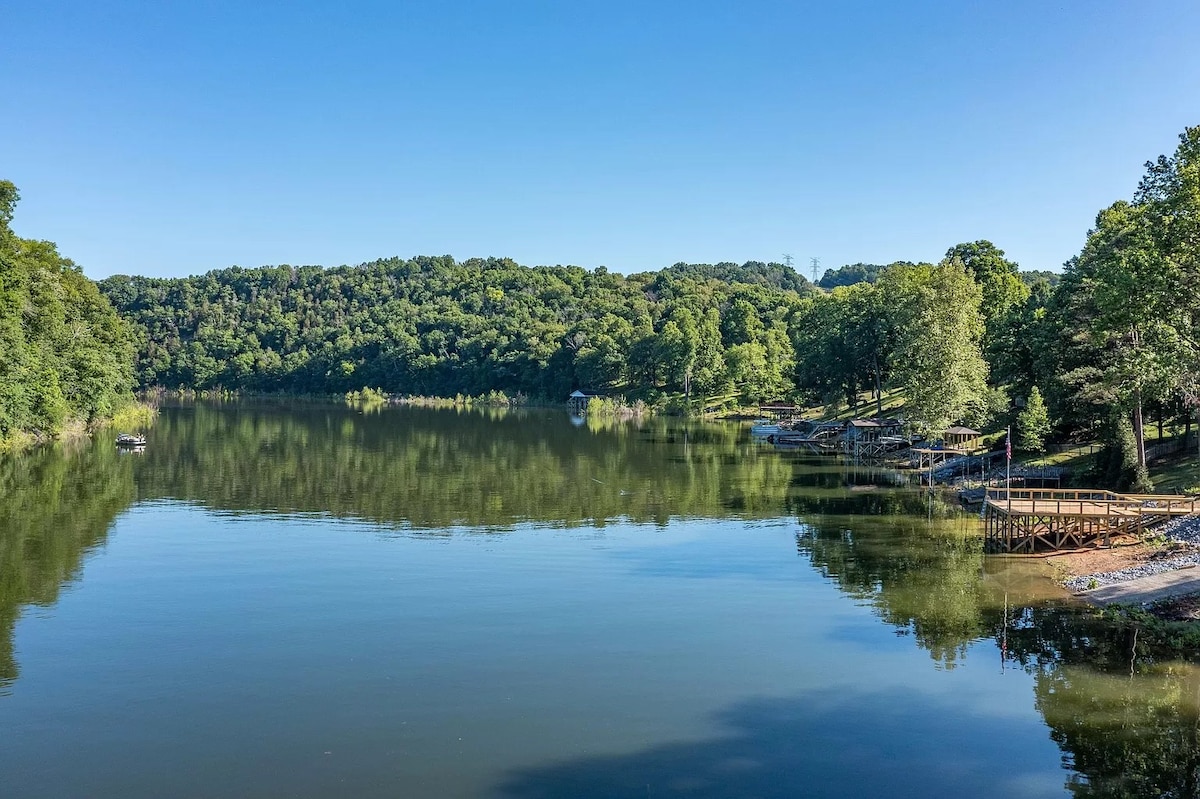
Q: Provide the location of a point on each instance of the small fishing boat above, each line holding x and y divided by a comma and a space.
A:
129, 440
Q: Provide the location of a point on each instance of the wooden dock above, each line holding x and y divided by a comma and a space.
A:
927, 457
1029, 520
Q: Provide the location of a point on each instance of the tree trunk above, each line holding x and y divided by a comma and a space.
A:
1139, 430
878, 389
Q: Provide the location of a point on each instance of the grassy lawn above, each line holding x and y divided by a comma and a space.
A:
893, 401
1077, 457
1177, 476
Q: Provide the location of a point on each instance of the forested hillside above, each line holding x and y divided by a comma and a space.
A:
64, 354
436, 326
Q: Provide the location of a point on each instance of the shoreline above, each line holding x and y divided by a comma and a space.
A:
138, 415
1158, 574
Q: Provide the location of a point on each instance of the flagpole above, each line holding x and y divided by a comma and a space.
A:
1008, 468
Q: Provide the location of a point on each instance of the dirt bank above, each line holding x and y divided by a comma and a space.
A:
1125, 552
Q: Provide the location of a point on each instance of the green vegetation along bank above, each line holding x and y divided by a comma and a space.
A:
66, 358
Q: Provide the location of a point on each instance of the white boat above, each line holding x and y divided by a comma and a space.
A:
130, 440
765, 427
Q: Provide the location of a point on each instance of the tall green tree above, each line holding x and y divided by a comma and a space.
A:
1033, 423
1004, 294
709, 372
64, 353
939, 362
998, 278
1169, 195
1119, 305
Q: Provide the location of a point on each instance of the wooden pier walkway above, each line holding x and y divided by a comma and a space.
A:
1038, 519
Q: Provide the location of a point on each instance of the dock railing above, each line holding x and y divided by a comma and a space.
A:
1019, 519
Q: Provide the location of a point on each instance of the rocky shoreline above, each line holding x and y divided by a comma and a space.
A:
1183, 537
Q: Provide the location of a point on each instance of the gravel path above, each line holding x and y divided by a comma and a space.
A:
1185, 529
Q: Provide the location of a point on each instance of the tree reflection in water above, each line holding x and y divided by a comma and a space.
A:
56, 505
1119, 698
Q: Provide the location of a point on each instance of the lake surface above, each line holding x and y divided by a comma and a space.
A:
305, 600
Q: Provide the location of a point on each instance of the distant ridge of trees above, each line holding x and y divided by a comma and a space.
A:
775, 275
1035, 276
850, 274
437, 326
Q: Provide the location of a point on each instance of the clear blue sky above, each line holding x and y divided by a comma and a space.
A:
169, 138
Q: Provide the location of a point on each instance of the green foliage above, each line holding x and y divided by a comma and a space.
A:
754, 273
1125, 318
437, 327
1034, 277
939, 364
135, 416
1033, 423
1116, 467
998, 278
492, 399
845, 343
602, 407
366, 398
64, 353
849, 275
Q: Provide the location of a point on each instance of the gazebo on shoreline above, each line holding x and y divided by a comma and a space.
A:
579, 400
962, 438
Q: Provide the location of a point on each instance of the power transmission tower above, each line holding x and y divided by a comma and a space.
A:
787, 259
816, 266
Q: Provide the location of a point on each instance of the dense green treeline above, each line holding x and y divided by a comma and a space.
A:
850, 274
435, 326
64, 354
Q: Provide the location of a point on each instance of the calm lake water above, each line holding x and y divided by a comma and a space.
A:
305, 601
